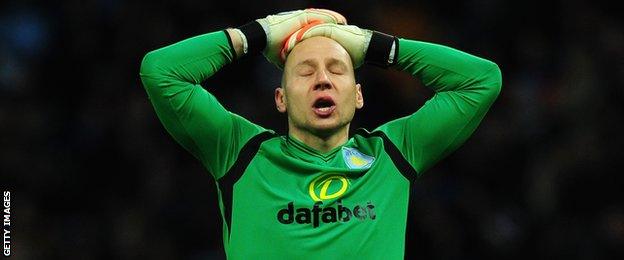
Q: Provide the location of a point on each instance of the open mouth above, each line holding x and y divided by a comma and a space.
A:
324, 106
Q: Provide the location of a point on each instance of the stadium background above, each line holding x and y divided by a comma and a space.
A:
94, 175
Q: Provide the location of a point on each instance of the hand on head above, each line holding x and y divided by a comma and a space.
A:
280, 26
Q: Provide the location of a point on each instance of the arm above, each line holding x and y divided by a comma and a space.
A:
172, 76
465, 86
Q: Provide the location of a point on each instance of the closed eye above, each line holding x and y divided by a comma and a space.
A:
305, 73
338, 70
337, 67
305, 70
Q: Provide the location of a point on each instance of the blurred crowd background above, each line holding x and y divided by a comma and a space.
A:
94, 175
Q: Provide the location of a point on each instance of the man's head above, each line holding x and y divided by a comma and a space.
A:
318, 90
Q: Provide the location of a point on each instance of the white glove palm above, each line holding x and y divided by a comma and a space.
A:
354, 39
279, 26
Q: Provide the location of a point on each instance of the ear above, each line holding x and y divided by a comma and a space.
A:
359, 98
280, 100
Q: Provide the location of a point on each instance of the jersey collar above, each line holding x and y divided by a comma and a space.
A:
302, 150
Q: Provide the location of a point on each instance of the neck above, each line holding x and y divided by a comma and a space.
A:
321, 142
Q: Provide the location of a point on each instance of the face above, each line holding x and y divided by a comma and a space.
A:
318, 91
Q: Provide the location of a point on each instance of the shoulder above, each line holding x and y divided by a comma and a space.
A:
377, 142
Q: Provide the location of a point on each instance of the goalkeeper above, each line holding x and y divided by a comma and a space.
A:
318, 191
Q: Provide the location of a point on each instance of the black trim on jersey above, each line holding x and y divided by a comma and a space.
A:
226, 183
406, 169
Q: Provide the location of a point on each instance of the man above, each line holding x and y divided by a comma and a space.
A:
316, 193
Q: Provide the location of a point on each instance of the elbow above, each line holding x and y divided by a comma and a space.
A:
495, 79
149, 64
151, 71
491, 80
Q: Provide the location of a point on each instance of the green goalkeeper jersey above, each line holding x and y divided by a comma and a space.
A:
281, 199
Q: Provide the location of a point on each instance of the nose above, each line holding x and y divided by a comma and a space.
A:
322, 81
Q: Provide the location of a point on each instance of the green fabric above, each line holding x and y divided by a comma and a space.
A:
172, 76
465, 86
291, 201
282, 173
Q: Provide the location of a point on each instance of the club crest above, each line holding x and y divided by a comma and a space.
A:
355, 159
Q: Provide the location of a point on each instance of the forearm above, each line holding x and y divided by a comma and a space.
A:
465, 86
171, 77
192, 60
446, 69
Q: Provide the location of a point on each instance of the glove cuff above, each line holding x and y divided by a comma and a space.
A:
255, 35
383, 50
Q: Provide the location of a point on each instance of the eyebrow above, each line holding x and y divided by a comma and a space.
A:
309, 62
330, 62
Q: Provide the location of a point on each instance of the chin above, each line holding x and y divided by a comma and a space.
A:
326, 128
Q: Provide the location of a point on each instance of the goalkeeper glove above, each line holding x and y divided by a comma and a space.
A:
268, 34
362, 45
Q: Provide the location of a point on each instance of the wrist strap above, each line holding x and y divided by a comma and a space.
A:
383, 50
244, 40
255, 36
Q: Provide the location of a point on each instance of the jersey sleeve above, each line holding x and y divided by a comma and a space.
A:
465, 87
193, 116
